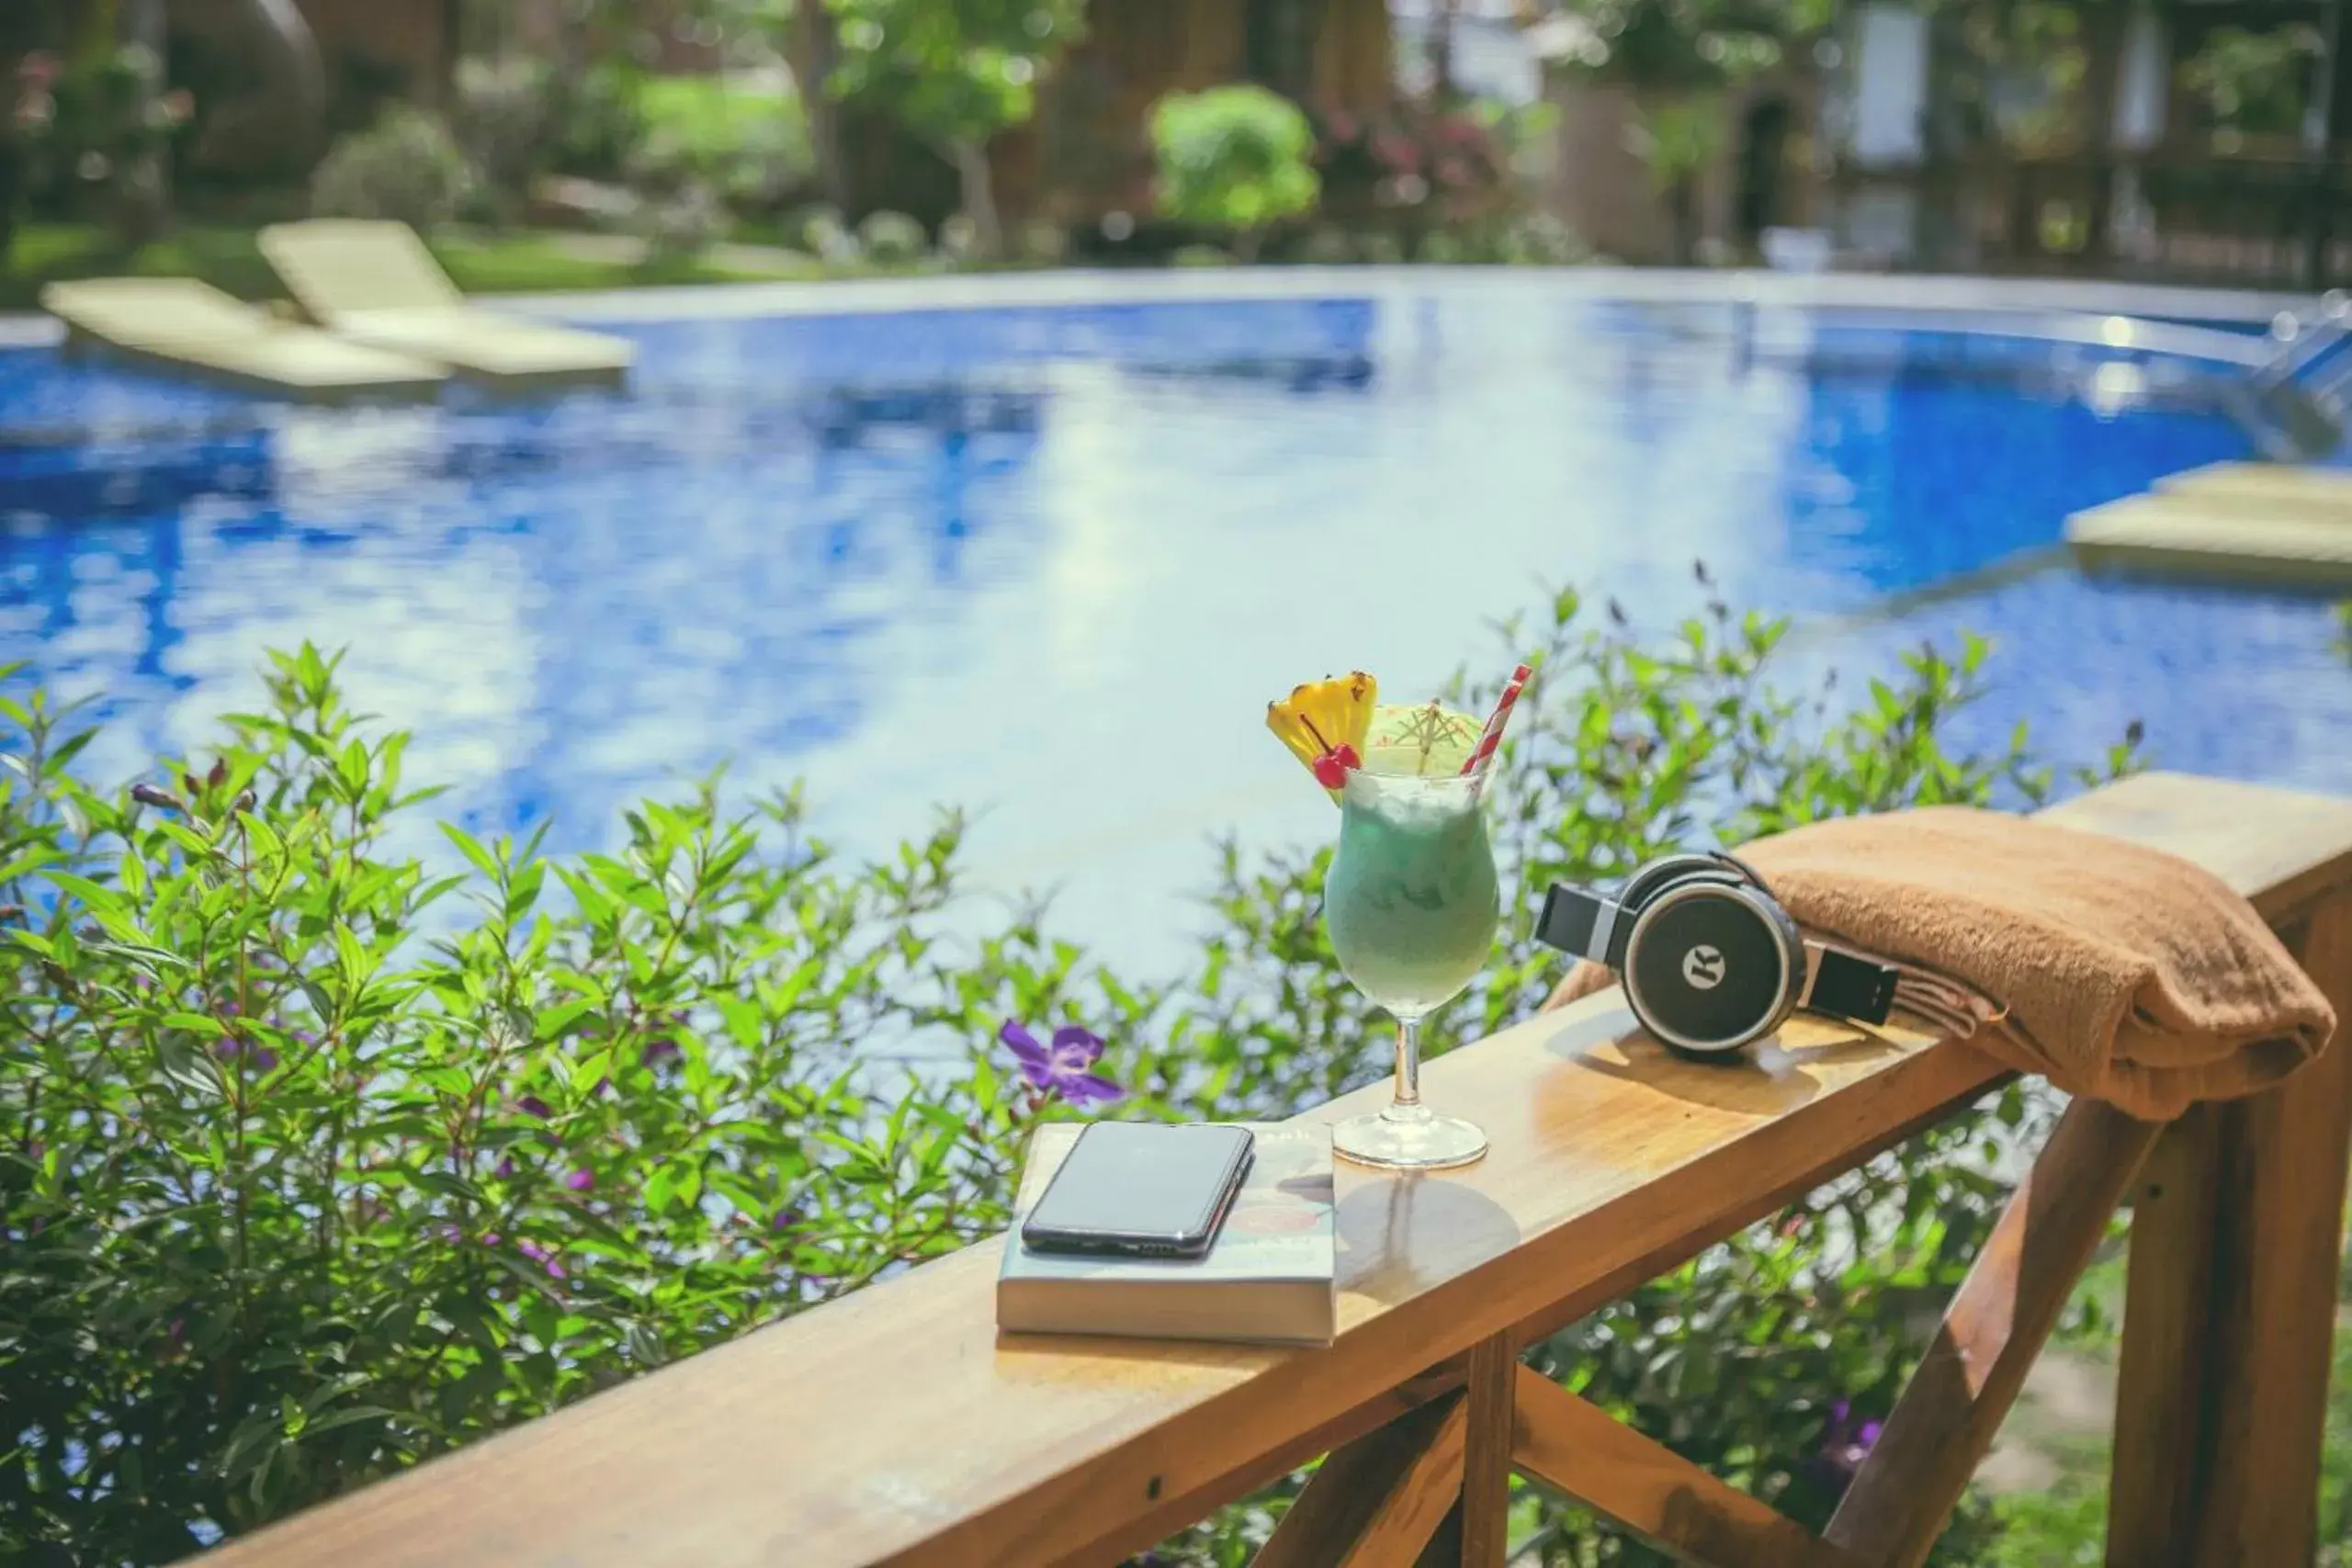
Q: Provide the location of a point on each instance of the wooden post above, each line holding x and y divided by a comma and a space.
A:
1491, 1396
2230, 1312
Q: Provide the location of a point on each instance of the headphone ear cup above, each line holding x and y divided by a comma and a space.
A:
1668, 870
1710, 964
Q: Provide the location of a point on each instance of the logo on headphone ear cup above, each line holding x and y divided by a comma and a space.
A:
1710, 964
1703, 968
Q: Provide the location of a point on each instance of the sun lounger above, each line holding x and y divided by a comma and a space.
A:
193, 329
2214, 538
2292, 489
375, 282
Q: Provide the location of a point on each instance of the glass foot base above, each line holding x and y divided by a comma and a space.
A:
1408, 1138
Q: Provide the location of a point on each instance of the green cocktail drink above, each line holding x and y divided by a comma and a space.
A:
1411, 903
1410, 906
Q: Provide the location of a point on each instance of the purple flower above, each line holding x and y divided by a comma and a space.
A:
580, 1180
1845, 1442
260, 1059
1065, 1068
506, 1167
532, 1105
658, 1052
544, 1256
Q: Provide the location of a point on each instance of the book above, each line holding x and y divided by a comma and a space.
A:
1267, 1279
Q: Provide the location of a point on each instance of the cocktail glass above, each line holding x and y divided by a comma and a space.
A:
1410, 906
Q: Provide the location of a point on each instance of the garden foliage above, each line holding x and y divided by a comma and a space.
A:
1233, 160
407, 167
316, 1160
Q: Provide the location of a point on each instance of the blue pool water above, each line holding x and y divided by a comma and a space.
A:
1050, 563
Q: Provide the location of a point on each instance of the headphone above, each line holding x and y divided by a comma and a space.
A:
1709, 960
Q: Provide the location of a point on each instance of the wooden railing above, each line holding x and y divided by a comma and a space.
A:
898, 1427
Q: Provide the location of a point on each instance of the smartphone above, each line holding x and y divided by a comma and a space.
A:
1140, 1190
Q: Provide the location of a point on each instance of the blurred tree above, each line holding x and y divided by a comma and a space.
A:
1676, 140
2249, 83
1689, 43
955, 73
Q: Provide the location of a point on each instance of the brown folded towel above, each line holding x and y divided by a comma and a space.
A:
2128, 974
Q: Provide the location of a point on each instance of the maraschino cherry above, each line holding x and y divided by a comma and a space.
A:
1331, 768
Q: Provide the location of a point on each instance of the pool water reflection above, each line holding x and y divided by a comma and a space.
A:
1051, 562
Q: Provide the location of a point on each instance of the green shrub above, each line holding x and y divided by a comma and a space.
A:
303, 1178
820, 230
754, 147
405, 167
505, 118
893, 238
1233, 159
1539, 239
678, 213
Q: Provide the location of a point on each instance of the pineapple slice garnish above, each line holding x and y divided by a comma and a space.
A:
1323, 723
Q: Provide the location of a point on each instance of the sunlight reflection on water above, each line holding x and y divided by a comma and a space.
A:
1051, 562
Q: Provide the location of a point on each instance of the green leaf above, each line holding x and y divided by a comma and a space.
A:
100, 901
470, 847
265, 839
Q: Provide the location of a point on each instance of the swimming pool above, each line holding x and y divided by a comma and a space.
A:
1050, 562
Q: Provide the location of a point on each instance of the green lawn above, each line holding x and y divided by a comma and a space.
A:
227, 258
710, 116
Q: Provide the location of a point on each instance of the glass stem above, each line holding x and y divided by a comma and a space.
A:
1408, 1063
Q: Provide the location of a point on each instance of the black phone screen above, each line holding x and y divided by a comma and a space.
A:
1127, 1182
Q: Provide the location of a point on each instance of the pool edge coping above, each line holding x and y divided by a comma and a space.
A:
1078, 286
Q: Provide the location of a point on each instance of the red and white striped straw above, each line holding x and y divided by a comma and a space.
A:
1482, 755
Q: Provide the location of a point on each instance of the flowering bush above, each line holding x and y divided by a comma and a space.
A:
1449, 161
303, 1176
95, 132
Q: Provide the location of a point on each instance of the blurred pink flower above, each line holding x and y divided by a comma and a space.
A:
1396, 153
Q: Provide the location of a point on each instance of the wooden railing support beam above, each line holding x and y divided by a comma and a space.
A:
1580, 1451
2229, 1312
1336, 1508
1404, 1520
1947, 1415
